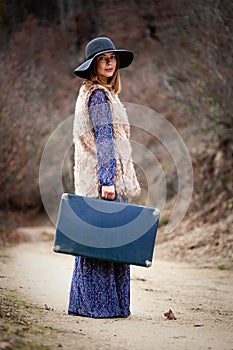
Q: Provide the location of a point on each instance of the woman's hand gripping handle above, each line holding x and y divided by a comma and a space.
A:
108, 192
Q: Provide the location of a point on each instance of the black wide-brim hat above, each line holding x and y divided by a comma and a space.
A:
99, 46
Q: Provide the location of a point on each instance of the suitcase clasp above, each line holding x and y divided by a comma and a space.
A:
155, 212
148, 263
65, 196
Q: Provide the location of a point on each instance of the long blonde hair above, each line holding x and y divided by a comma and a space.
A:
113, 82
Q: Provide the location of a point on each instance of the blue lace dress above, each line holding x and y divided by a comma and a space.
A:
99, 288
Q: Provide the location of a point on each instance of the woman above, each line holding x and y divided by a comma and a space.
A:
103, 166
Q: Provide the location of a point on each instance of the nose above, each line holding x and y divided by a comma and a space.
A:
108, 60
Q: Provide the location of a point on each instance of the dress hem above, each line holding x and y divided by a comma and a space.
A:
92, 316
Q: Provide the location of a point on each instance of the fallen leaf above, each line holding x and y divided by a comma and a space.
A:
170, 315
23, 323
47, 307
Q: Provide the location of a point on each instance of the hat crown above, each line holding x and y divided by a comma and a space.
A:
98, 45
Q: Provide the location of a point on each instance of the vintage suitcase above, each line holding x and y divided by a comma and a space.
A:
106, 230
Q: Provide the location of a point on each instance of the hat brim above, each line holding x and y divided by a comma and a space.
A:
125, 57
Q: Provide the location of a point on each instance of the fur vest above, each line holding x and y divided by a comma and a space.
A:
85, 156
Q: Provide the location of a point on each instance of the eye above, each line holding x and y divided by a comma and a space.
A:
113, 57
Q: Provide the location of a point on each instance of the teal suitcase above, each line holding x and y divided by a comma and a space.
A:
106, 230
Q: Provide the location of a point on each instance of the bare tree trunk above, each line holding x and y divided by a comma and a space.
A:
93, 16
61, 14
70, 8
79, 5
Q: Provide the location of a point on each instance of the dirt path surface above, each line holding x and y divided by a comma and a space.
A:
201, 300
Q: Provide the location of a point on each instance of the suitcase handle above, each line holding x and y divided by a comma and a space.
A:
117, 198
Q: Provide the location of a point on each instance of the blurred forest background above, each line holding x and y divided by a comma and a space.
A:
183, 69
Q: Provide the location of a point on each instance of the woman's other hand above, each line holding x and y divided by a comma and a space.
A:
108, 192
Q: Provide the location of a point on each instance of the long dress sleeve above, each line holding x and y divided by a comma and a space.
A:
101, 118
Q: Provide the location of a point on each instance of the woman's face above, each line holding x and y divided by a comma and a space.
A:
106, 65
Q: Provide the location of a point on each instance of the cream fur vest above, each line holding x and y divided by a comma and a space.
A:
86, 163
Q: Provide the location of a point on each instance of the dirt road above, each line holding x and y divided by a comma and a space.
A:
201, 299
